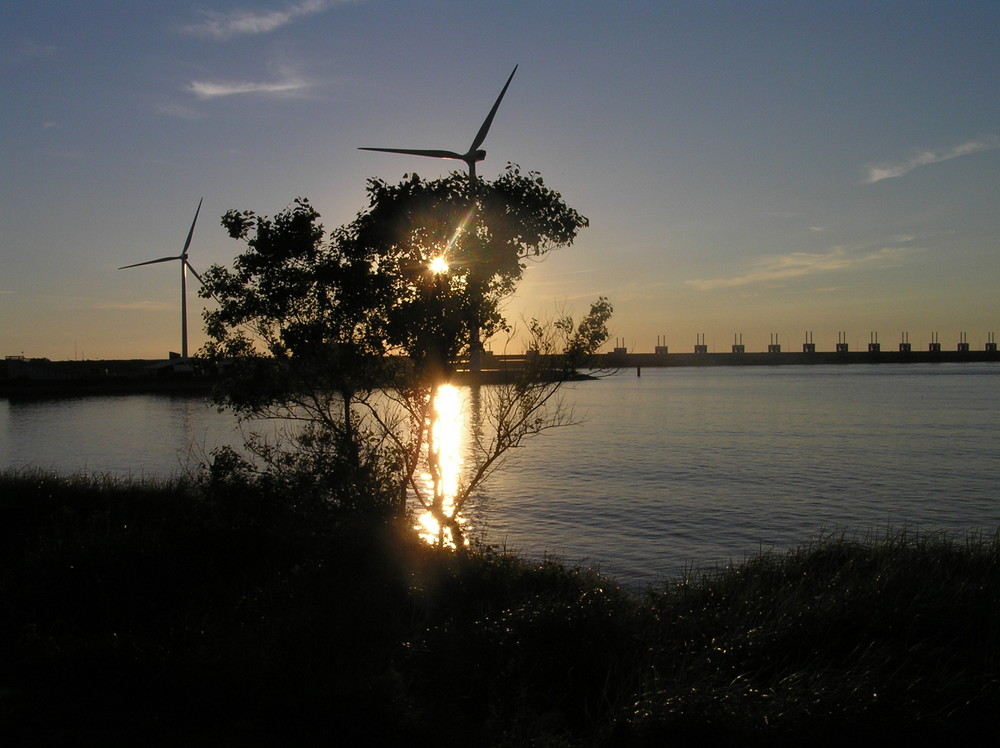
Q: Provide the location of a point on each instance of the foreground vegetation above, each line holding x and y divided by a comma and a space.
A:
189, 613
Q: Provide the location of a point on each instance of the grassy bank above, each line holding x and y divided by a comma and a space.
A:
166, 614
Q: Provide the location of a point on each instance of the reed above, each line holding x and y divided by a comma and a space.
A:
878, 635
138, 611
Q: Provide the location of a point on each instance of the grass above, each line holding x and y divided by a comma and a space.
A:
897, 634
137, 612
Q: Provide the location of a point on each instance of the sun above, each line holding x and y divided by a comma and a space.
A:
438, 265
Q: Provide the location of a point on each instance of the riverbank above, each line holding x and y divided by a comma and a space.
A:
170, 613
40, 378
789, 358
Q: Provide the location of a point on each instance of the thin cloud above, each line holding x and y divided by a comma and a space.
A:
179, 111
773, 269
24, 51
131, 306
68, 155
878, 172
552, 283
567, 272
216, 89
242, 22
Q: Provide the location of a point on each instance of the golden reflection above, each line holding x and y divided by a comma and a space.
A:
445, 466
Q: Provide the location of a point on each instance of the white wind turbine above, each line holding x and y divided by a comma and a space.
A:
473, 155
185, 266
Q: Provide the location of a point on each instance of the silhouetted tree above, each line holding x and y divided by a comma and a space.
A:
348, 332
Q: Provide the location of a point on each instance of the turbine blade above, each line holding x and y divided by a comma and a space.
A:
481, 135
193, 272
191, 232
418, 152
152, 262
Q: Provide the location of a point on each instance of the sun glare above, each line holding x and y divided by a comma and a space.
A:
438, 265
447, 437
444, 455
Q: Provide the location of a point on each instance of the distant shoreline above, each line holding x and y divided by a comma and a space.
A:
28, 379
194, 386
652, 360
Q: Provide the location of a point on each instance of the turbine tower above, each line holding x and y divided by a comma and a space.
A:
185, 266
470, 157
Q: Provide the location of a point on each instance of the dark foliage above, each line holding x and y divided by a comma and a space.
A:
347, 335
324, 312
136, 613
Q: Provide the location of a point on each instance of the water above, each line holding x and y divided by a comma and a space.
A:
136, 435
680, 467
693, 466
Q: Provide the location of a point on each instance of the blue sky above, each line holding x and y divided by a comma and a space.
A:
748, 167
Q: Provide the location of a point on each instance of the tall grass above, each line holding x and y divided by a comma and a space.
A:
889, 634
140, 612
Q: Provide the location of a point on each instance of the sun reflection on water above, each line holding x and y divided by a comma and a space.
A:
445, 465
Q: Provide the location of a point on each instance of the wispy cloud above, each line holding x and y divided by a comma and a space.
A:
878, 172
241, 22
132, 306
23, 51
774, 269
67, 154
214, 89
179, 111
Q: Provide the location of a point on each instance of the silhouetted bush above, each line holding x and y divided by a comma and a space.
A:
151, 613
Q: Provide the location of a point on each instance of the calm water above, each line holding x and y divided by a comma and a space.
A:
678, 467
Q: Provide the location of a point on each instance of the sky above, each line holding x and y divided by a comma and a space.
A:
755, 168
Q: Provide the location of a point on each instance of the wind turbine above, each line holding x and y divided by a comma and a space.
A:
185, 266
473, 155
470, 157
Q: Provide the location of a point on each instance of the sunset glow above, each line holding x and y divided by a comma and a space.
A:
824, 172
